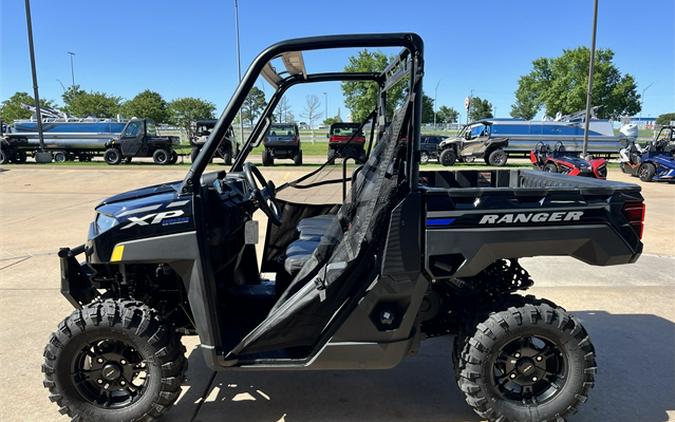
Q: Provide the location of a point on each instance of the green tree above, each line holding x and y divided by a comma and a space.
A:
11, 109
330, 120
559, 85
183, 111
361, 96
427, 109
665, 119
147, 105
480, 109
447, 114
253, 105
527, 103
93, 103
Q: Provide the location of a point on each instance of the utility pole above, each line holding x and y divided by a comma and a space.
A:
41, 156
72, 68
325, 100
591, 69
642, 101
435, 95
236, 24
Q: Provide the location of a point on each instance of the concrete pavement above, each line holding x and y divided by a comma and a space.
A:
628, 310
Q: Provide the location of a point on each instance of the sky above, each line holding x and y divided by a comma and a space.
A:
187, 48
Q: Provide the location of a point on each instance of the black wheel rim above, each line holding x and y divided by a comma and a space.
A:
499, 158
110, 374
530, 370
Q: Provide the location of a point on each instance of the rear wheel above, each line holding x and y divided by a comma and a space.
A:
647, 172
114, 360
60, 157
550, 168
174, 157
448, 157
331, 156
498, 157
112, 156
161, 157
227, 158
534, 362
297, 158
267, 159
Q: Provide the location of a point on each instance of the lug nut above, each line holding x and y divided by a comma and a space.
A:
99, 360
512, 376
534, 379
539, 358
99, 381
123, 362
517, 355
123, 383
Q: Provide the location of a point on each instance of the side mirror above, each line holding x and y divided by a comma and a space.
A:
467, 135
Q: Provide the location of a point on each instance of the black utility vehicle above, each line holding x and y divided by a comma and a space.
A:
429, 147
405, 256
201, 129
474, 141
346, 140
139, 139
282, 141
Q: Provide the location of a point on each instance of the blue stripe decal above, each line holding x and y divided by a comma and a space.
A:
431, 222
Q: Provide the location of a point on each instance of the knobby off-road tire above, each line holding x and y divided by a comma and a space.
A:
447, 158
108, 346
537, 330
550, 168
646, 172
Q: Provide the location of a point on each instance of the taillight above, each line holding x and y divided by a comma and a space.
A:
635, 213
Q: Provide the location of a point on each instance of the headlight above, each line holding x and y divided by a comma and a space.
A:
105, 223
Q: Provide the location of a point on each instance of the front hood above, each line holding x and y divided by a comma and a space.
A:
450, 141
138, 198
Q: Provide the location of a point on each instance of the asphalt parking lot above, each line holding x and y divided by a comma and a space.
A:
628, 310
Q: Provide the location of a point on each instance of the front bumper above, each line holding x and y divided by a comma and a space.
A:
76, 283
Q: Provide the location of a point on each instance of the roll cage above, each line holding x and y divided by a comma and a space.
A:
409, 62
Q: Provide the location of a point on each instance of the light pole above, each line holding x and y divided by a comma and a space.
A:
236, 25
589, 92
72, 68
642, 101
325, 100
41, 156
435, 95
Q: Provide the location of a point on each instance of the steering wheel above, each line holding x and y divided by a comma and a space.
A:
264, 192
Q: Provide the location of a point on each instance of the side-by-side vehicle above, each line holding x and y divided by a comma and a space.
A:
357, 283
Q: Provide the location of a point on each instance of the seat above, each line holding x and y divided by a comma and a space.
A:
311, 229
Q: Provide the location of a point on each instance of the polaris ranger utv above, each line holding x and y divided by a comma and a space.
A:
201, 129
139, 139
405, 256
282, 141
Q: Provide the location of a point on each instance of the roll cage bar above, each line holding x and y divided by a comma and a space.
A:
408, 62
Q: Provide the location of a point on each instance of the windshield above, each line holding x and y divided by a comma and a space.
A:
345, 130
282, 130
474, 130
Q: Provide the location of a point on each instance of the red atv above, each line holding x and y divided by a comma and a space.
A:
559, 161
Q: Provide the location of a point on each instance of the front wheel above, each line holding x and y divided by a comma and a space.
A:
550, 168
424, 157
529, 363
112, 361
647, 172
447, 157
112, 156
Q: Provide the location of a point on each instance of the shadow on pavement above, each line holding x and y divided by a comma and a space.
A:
636, 381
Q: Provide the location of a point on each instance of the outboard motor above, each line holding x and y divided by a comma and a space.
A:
630, 131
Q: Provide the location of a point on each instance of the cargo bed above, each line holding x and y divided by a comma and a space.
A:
473, 218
